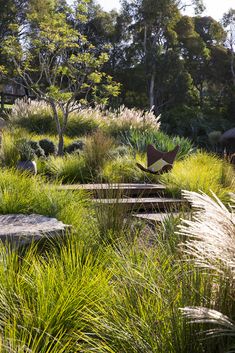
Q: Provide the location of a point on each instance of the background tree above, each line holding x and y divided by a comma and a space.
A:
12, 12
229, 23
57, 62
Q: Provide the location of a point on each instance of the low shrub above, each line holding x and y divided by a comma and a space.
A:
26, 152
38, 151
75, 146
201, 171
48, 146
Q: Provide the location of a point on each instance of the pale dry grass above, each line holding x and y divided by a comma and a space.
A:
25, 108
210, 245
133, 118
210, 234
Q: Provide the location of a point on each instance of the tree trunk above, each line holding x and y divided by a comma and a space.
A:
61, 145
151, 90
232, 55
58, 128
232, 67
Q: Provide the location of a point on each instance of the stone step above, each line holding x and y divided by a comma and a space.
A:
153, 204
118, 190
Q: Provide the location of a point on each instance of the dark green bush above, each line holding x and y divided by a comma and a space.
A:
39, 152
76, 146
48, 146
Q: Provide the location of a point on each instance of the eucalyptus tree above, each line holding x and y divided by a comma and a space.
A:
57, 62
199, 39
152, 24
229, 23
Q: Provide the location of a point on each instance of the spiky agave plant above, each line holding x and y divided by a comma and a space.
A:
210, 244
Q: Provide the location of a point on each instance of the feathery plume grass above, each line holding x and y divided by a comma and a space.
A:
210, 244
210, 235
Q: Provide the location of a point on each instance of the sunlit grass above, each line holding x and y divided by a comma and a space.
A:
201, 172
104, 288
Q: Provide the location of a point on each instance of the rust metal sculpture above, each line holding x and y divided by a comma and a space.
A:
159, 162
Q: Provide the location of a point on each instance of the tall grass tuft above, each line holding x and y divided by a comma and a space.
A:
97, 149
36, 116
122, 169
210, 246
50, 304
69, 169
20, 193
201, 172
123, 120
9, 153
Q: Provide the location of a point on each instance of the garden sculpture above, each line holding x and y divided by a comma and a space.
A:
159, 162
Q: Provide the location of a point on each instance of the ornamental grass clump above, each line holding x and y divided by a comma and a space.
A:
33, 115
50, 303
83, 122
20, 193
122, 169
201, 172
139, 140
211, 234
124, 119
68, 169
210, 246
9, 153
96, 151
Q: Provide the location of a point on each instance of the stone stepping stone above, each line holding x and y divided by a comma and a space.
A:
24, 229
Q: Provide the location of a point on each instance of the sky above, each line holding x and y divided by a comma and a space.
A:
214, 8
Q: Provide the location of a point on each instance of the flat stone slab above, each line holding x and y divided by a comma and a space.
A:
26, 228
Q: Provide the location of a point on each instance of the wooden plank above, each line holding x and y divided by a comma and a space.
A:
122, 189
146, 204
161, 217
111, 186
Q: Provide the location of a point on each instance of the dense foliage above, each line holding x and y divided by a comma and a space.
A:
181, 65
114, 284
